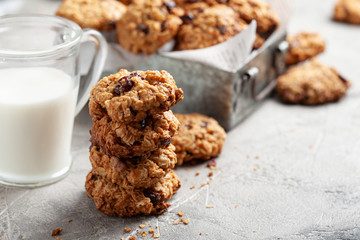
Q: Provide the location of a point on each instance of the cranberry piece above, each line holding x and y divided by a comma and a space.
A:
222, 29
125, 85
187, 18
155, 197
204, 124
170, 5
136, 74
94, 177
143, 28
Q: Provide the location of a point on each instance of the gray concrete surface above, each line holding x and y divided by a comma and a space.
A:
287, 172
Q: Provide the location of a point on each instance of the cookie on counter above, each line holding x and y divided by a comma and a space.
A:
267, 21
209, 27
199, 138
311, 83
96, 14
146, 28
144, 171
135, 138
347, 11
133, 96
112, 199
303, 46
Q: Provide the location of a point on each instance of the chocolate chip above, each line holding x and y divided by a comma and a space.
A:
166, 142
125, 85
204, 124
170, 5
187, 18
143, 28
222, 29
143, 123
163, 26
155, 197
192, 1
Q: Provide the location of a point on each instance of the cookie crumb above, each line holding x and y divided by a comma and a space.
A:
142, 225
70, 220
56, 232
211, 174
156, 235
186, 221
209, 206
255, 168
149, 225
257, 157
151, 231
235, 206
203, 184
176, 222
180, 213
127, 229
132, 238
144, 234
55, 239
211, 164
156, 227
311, 146
197, 173
192, 187
247, 156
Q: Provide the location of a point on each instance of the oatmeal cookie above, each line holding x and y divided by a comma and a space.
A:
112, 199
146, 29
144, 171
267, 21
311, 83
97, 14
136, 138
303, 46
347, 11
199, 138
133, 96
210, 27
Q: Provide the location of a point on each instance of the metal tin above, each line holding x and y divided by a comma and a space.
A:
226, 96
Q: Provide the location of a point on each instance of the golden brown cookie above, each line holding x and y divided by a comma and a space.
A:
144, 171
144, 29
97, 14
135, 138
133, 96
311, 83
112, 199
199, 138
347, 11
267, 21
303, 46
209, 27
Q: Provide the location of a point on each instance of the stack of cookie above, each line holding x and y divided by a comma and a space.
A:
131, 152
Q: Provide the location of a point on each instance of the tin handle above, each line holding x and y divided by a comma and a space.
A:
279, 66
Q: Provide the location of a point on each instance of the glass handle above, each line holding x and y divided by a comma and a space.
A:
96, 67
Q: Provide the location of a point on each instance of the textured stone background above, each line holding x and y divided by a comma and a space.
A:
306, 186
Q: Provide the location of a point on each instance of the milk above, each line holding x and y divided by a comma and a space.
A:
37, 107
